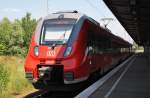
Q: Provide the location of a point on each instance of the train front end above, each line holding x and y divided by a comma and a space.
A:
49, 60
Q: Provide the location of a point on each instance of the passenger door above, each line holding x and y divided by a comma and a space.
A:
92, 58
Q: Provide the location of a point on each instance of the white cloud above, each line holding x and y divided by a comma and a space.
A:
10, 10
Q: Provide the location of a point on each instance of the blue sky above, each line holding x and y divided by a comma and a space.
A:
94, 8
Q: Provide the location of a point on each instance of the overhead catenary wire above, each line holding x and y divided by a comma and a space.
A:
94, 7
105, 20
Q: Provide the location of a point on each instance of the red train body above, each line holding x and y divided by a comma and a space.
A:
66, 48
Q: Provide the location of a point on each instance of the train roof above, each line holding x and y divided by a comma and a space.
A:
65, 14
69, 14
75, 15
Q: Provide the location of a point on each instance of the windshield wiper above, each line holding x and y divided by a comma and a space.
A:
63, 35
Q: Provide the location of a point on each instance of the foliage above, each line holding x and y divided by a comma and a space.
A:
14, 40
3, 77
12, 76
28, 26
15, 36
135, 46
2, 48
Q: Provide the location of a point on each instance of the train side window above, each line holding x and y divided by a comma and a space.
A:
103, 44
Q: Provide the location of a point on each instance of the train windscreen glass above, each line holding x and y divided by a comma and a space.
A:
57, 31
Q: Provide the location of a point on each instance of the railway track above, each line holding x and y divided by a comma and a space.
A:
49, 94
59, 94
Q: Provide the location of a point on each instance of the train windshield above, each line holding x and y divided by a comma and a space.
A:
57, 31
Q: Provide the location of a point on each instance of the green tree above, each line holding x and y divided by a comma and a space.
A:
5, 35
28, 26
16, 41
135, 46
15, 36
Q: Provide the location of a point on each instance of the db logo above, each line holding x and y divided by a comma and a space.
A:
51, 53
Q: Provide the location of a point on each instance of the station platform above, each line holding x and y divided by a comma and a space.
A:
131, 81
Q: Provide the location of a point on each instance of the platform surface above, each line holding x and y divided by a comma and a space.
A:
131, 81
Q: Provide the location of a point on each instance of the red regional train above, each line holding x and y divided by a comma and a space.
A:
68, 47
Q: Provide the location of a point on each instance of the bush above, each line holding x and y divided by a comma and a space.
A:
4, 79
2, 49
12, 76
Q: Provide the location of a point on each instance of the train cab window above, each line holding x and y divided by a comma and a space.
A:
56, 31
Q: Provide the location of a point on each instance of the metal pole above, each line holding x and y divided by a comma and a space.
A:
47, 7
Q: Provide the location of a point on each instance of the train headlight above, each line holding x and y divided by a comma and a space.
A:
36, 51
68, 51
